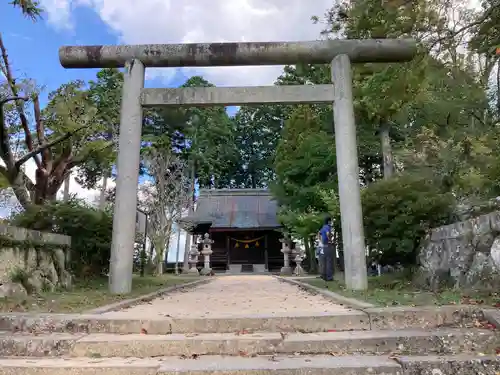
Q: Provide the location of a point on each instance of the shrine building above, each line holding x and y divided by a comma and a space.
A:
244, 228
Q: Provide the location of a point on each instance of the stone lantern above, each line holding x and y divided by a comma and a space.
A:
193, 258
207, 251
300, 254
285, 249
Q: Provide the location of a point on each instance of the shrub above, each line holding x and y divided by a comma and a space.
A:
399, 211
90, 231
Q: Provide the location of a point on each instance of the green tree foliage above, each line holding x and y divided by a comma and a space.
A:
305, 168
61, 137
210, 138
4, 183
257, 133
204, 136
305, 162
399, 212
30, 8
437, 115
90, 230
105, 94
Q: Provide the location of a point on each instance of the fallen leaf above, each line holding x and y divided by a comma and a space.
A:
243, 332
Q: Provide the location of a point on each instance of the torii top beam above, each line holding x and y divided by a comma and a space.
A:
238, 54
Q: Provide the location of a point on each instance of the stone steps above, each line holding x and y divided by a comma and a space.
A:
394, 341
261, 365
384, 342
345, 320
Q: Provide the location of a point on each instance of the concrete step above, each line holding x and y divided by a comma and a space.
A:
373, 318
409, 342
213, 365
107, 323
261, 365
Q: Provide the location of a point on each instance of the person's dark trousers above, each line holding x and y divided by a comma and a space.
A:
328, 263
321, 265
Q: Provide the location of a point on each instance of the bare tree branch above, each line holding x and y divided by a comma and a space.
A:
464, 28
165, 198
6, 152
7, 71
75, 161
46, 146
40, 132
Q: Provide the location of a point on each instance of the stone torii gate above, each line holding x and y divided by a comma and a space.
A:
135, 58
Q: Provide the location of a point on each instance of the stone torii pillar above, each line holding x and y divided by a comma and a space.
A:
339, 53
127, 171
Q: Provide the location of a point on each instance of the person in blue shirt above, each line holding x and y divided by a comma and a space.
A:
326, 240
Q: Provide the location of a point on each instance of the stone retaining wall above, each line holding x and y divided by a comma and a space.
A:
47, 266
464, 254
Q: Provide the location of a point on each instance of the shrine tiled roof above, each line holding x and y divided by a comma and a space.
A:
235, 208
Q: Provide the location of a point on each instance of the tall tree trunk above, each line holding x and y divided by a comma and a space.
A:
159, 254
178, 249
159, 267
102, 197
187, 245
66, 188
387, 155
168, 237
24, 195
498, 88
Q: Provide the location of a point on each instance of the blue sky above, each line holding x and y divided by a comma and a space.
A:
33, 47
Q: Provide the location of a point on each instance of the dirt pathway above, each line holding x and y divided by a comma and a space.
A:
232, 296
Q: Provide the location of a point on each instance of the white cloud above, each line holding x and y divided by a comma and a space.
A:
167, 21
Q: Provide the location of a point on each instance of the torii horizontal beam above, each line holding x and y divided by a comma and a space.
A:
229, 96
238, 54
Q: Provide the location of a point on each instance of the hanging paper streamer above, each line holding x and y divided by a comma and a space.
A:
247, 243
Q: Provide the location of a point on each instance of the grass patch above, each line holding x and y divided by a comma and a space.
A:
87, 295
397, 290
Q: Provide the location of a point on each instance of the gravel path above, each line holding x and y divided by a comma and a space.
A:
232, 296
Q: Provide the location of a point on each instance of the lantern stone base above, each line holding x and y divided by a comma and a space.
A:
286, 271
205, 271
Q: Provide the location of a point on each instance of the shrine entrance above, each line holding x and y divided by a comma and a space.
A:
135, 59
247, 247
